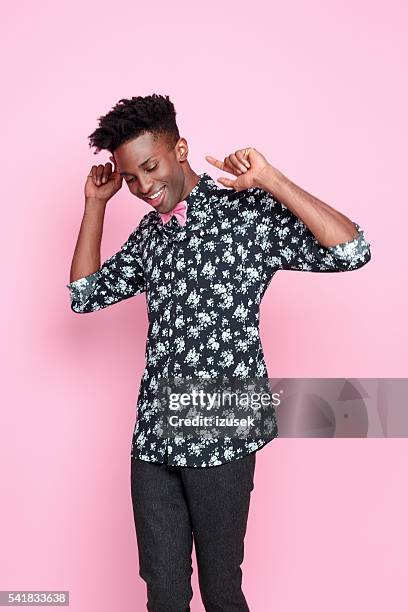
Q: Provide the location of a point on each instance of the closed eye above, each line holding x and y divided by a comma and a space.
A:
147, 170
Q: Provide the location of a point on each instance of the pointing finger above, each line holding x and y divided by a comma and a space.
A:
215, 162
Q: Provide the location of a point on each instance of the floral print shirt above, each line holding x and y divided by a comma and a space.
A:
204, 283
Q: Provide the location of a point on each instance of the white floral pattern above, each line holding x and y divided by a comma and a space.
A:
204, 283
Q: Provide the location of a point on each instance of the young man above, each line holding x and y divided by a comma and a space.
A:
204, 255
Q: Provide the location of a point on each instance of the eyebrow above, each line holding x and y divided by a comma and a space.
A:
142, 164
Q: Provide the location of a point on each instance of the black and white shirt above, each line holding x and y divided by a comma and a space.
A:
204, 282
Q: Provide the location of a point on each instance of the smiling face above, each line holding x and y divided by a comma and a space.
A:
152, 167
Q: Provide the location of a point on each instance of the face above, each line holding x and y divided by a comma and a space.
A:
151, 166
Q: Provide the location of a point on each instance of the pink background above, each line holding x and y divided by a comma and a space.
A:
320, 88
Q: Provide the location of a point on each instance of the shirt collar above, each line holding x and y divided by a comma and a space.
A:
201, 191
199, 202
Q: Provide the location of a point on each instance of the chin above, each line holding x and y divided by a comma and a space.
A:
166, 209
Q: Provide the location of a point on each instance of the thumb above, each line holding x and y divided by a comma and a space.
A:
226, 181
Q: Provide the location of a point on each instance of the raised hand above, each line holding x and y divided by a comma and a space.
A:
102, 183
247, 164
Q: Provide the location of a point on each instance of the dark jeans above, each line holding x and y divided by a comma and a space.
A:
173, 504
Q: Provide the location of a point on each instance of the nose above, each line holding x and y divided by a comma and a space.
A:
145, 186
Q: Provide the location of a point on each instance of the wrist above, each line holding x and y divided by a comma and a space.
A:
93, 202
268, 178
95, 210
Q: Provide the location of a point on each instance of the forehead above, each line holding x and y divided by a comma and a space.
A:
137, 151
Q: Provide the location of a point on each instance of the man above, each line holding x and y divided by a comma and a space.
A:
204, 256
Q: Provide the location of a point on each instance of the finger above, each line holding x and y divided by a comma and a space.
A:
241, 157
229, 167
234, 159
215, 162
99, 173
234, 164
226, 182
107, 172
93, 173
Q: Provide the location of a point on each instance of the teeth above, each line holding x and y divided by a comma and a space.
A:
155, 194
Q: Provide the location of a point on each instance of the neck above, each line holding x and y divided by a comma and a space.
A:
191, 179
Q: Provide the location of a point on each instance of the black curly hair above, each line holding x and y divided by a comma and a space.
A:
130, 118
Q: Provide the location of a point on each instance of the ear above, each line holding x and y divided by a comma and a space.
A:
182, 149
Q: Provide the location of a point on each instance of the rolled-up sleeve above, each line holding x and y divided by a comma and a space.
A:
119, 278
290, 245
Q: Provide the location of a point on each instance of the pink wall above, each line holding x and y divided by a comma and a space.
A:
321, 90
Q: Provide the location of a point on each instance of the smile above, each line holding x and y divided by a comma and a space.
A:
156, 197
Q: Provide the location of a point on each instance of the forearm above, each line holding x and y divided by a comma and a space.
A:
329, 226
87, 254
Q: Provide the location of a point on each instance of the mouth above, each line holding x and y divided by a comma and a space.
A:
156, 198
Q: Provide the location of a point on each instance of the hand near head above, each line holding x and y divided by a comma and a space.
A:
102, 183
247, 164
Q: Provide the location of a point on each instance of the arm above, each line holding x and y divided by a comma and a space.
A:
120, 277
290, 245
93, 286
329, 226
87, 254
308, 234
298, 231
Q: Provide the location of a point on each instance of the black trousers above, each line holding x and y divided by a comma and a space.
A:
172, 505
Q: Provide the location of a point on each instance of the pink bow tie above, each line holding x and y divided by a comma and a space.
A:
180, 212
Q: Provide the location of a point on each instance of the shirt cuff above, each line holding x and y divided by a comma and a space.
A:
354, 249
82, 288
